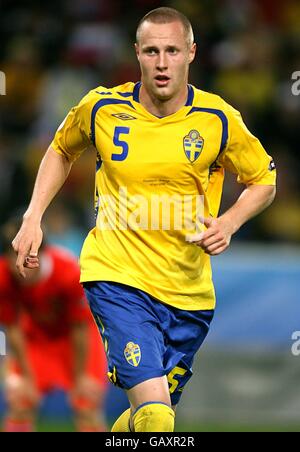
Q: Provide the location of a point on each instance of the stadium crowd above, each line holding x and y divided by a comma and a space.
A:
53, 53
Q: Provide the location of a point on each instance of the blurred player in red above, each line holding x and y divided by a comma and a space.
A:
53, 341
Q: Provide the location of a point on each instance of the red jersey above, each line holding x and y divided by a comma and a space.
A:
47, 308
46, 311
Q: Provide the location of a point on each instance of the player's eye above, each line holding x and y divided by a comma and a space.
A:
150, 51
172, 50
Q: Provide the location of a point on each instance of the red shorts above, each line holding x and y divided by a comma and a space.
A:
52, 362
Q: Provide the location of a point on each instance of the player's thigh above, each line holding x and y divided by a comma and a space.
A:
152, 390
186, 335
131, 333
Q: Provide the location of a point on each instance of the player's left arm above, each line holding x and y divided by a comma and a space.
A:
244, 156
253, 200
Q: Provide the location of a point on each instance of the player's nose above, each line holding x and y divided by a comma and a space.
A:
161, 62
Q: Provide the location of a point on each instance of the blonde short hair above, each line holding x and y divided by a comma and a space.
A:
166, 15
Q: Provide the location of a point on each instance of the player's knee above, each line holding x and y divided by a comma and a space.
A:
17, 396
154, 417
88, 397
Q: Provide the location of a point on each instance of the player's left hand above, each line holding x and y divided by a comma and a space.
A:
216, 239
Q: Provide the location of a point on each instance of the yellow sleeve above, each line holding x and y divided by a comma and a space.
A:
244, 155
72, 136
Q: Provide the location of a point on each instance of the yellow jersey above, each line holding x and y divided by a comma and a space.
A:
154, 177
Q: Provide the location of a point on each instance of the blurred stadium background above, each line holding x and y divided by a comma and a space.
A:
246, 377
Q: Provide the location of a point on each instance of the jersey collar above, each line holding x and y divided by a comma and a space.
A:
189, 101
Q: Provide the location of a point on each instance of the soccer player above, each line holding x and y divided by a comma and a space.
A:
52, 337
148, 283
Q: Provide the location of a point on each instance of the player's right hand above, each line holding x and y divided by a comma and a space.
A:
26, 244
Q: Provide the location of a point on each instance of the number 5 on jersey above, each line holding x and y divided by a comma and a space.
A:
120, 143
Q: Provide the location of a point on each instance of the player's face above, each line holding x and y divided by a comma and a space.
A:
164, 55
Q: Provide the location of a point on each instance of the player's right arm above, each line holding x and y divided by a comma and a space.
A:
17, 347
54, 170
23, 388
71, 139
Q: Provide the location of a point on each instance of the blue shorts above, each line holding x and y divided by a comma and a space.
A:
145, 338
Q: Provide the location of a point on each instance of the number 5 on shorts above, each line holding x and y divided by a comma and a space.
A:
172, 380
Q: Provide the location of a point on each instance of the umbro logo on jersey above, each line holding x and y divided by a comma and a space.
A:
123, 116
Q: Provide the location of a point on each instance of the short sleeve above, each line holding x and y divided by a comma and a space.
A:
244, 155
73, 135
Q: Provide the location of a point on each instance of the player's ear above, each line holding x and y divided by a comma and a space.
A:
137, 50
192, 52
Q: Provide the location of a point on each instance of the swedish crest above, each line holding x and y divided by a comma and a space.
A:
132, 353
193, 144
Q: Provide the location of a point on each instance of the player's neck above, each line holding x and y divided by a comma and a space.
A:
160, 108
